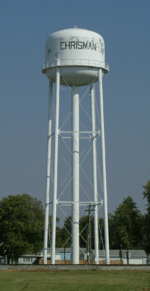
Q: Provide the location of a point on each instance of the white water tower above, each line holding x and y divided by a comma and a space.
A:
74, 58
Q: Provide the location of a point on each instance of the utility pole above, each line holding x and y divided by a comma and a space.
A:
65, 244
89, 240
120, 253
127, 257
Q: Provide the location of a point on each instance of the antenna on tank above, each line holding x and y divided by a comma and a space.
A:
75, 58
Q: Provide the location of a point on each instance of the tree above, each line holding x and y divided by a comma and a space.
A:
58, 230
126, 226
146, 194
21, 225
63, 235
101, 230
84, 221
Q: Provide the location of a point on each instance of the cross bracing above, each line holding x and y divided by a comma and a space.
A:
65, 135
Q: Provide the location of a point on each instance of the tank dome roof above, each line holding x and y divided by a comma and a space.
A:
74, 32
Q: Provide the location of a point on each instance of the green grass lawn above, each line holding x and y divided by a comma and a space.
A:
90, 280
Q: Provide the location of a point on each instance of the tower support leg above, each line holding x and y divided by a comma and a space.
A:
75, 175
55, 167
48, 173
104, 167
92, 94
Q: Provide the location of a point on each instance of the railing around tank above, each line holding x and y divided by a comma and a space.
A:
78, 62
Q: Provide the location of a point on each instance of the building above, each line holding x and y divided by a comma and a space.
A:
138, 257
135, 256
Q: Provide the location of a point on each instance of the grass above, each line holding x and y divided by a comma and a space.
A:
90, 280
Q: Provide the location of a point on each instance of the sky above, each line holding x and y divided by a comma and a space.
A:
25, 26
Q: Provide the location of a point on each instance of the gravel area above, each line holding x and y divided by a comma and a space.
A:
71, 267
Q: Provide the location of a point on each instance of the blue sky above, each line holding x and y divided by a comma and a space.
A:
25, 26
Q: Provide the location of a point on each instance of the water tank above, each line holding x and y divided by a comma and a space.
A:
78, 52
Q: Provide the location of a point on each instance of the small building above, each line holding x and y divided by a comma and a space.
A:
135, 256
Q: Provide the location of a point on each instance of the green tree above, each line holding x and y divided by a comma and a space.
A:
84, 221
146, 194
58, 232
126, 226
101, 231
63, 235
21, 225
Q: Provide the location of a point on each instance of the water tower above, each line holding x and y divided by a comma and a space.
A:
75, 57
